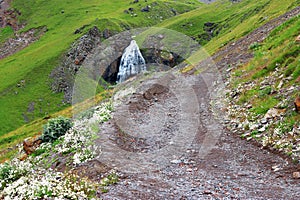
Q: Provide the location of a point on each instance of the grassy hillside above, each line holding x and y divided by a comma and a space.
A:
271, 81
228, 21
24, 86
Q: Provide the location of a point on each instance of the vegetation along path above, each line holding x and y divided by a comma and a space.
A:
215, 163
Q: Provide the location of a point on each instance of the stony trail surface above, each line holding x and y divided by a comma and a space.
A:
214, 165
167, 139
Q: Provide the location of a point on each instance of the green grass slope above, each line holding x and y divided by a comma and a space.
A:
231, 20
271, 80
24, 87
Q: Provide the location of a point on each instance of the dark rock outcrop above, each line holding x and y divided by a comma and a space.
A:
146, 9
156, 54
64, 75
9, 18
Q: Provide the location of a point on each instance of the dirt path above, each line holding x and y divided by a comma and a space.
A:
167, 143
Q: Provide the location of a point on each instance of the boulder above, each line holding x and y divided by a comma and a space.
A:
297, 104
274, 112
296, 175
146, 9
106, 33
30, 144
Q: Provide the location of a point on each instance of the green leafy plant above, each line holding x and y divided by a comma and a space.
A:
9, 172
55, 128
266, 91
254, 46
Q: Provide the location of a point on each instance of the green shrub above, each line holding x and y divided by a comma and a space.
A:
55, 128
254, 46
5, 173
10, 173
265, 91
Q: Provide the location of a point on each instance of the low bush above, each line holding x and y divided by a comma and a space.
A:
55, 128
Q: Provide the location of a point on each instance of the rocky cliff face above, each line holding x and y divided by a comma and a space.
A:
64, 75
103, 60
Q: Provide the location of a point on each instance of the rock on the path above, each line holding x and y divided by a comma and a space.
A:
175, 161
296, 175
262, 129
263, 121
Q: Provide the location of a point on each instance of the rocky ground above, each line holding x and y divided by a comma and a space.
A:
20, 41
158, 158
8, 17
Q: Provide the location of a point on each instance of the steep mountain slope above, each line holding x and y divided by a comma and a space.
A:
263, 91
214, 164
226, 21
25, 83
172, 135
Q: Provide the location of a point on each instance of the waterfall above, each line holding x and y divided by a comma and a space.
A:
132, 62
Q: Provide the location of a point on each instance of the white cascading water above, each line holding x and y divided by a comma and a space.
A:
132, 62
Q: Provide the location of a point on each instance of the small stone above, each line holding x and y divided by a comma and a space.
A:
160, 36
296, 175
262, 129
280, 85
276, 168
175, 161
189, 170
226, 121
229, 69
298, 39
263, 121
273, 112
145, 9
249, 106
253, 127
207, 192
23, 157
